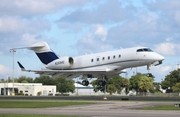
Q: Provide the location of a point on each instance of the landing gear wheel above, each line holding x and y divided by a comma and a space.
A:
102, 83
85, 82
149, 75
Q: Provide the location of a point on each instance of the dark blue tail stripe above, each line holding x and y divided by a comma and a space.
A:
47, 57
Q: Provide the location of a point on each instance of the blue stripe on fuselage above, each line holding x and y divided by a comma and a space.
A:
47, 57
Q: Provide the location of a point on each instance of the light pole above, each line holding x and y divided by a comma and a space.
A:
177, 66
13, 51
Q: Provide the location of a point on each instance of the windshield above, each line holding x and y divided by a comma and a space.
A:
144, 50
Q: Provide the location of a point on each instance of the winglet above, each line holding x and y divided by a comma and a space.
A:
21, 66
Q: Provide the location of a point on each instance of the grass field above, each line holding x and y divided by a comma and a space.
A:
161, 107
24, 115
39, 104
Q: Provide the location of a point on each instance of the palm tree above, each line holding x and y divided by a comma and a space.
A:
111, 89
145, 83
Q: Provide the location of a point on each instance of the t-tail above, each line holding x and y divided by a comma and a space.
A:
44, 53
48, 57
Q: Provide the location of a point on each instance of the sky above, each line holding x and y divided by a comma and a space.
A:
78, 27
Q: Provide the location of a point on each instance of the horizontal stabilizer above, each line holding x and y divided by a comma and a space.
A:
21, 66
32, 47
37, 45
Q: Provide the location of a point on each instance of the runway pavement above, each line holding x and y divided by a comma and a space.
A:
101, 109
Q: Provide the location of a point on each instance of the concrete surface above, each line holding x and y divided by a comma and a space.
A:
101, 109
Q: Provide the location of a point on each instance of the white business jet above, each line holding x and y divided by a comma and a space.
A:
100, 65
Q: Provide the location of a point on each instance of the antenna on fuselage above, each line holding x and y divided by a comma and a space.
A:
90, 53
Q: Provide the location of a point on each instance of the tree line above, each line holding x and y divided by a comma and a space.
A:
141, 83
172, 81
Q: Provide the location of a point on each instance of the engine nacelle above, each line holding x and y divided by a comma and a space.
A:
61, 63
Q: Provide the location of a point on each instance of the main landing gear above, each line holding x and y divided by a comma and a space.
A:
102, 82
85, 82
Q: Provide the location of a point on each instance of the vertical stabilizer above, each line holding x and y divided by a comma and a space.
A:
43, 51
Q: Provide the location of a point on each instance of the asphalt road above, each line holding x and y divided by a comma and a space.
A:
130, 98
101, 109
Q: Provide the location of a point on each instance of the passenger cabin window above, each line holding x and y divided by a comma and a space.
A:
97, 59
119, 56
144, 50
91, 60
114, 57
103, 58
108, 57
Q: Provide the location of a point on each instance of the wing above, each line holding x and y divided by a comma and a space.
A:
70, 74
65, 73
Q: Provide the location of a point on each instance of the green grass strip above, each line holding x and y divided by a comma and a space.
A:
24, 115
161, 107
39, 104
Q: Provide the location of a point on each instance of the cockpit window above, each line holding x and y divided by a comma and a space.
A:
140, 50
144, 50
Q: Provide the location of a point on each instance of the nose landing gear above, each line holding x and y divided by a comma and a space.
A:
148, 68
149, 75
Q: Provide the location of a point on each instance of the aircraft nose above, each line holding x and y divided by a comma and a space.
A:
161, 58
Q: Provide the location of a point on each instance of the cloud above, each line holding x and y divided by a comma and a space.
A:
107, 12
101, 31
15, 31
4, 70
166, 48
162, 69
11, 24
94, 41
16, 25
28, 39
31, 8
145, 26
169, 9
165, 69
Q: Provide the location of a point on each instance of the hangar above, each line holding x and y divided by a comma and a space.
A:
85, 90
29, 89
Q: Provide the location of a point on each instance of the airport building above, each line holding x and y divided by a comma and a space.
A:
85, 90
36, 89
89, 90
29, 89
32, 89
